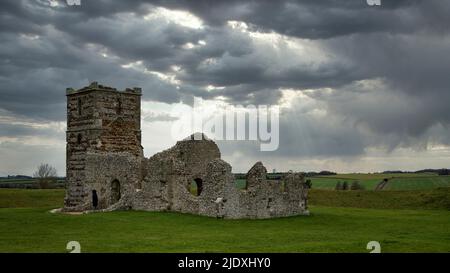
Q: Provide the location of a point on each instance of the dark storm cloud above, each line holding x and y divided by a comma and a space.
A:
324, 19
36, 71
415, 91
403, 45
22, 130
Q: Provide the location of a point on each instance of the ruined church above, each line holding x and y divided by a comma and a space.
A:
107, 170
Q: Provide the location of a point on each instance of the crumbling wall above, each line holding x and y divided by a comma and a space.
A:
170, 173
103, 169
219, 195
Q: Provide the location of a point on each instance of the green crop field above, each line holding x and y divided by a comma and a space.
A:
28, 226
397, 181
418, 183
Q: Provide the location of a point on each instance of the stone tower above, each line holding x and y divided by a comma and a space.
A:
104, 151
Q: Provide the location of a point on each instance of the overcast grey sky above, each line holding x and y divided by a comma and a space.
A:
360, 88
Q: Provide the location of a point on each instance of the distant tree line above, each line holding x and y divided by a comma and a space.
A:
321, 173
18, 177
437, 171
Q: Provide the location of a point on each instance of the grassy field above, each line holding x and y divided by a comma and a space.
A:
20, 198
27, 226
397, 181
438, 198
400, 181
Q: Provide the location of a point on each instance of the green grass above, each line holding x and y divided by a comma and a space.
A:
418, 183
328, 229
397, 181
429, 199
21, 198
329, 183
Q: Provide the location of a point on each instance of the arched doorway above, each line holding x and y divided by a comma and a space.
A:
199, 184
115, 191
94, 199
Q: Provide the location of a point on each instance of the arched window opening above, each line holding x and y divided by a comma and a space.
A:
196, 187
115, 191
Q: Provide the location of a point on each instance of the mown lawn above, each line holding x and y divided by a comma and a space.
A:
327, 229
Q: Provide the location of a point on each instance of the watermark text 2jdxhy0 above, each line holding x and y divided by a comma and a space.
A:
229, 122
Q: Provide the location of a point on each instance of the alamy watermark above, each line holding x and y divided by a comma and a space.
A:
231, 122
73, 2
373, 2
55, 3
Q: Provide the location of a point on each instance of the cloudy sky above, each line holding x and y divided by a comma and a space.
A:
360, 88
